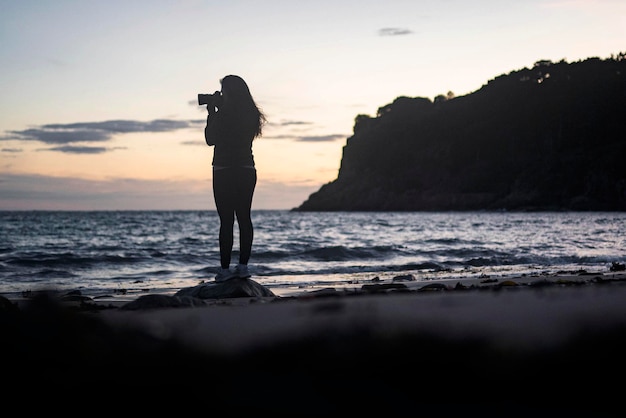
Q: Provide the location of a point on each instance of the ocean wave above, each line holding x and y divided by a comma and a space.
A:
153, 249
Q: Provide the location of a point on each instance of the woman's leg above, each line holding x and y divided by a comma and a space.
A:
245, 185
224, 194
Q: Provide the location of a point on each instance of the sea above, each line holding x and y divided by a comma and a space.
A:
130, 253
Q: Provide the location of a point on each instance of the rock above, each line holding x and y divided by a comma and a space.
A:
404, 278
6, 306
618, 266
445, 155
433, 287
196, 295
384, 287
233, 288
162, 301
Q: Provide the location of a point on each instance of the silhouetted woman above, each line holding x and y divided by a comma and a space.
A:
234, 121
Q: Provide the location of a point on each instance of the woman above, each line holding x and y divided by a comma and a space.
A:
234, 121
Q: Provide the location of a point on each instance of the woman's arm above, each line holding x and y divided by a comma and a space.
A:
209, 130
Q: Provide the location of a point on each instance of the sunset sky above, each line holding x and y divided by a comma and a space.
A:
98, 99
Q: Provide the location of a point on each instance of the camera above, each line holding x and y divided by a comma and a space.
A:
214, 99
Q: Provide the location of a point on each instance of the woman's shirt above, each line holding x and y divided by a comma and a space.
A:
232, 136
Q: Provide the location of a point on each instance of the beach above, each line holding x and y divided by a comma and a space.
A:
541, 345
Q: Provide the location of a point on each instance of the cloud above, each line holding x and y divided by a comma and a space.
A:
11, 150
308, 138
289, 123
124, 126
284, 136
39, 192
72, 149
61, 134
321, 138
294, 122
194, 143
54, 137
394, 31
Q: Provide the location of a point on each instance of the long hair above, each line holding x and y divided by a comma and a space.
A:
238, 91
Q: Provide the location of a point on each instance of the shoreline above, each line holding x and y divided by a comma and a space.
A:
508, 343
536, 309
345, 283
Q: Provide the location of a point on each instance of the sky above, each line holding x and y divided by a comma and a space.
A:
98, 100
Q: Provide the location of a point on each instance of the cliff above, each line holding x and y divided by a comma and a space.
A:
551, 137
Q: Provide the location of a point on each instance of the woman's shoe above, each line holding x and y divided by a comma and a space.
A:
224, 274
241, 271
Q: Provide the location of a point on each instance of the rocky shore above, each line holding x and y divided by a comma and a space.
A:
532, 345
